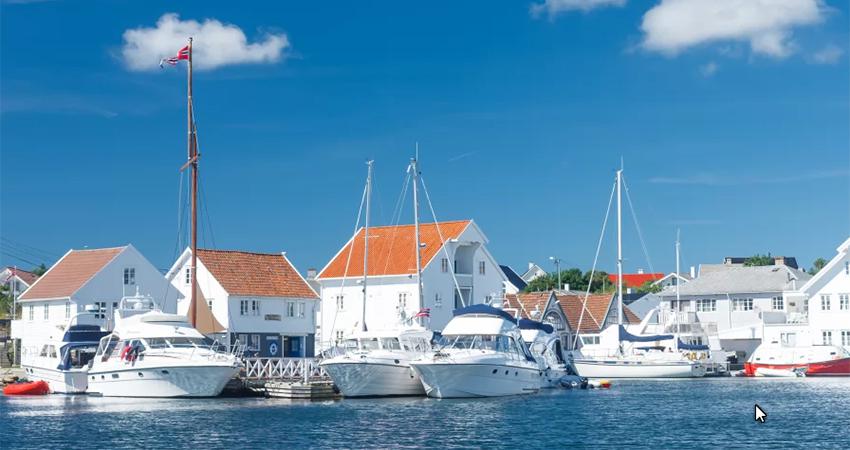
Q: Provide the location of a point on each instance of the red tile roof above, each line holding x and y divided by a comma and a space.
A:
594, 313
26, 276
70, 274
392, 250
528, 302
635, 280
255, 274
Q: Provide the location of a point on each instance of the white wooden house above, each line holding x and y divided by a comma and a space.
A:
260, 299
90, 280
17, 280
392, 294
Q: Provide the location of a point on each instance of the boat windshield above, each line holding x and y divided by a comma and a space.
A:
390, 344
497, 343
177, 342
369, 344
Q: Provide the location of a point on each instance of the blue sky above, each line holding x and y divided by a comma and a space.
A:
736, 134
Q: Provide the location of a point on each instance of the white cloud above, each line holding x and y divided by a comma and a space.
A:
555, 7
676, 25
215, 44
708, 70
828, 55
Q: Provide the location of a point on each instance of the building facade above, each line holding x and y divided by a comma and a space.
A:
260, 301
457, 269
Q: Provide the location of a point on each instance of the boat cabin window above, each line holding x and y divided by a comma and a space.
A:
390, 344
48, 351
415, 344
108, 346
369, 344
176, 342
498, 343
80, 356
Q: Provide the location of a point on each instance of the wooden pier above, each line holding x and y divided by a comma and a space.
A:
292, 378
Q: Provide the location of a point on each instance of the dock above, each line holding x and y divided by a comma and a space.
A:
290, 378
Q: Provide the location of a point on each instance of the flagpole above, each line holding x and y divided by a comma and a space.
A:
193, 161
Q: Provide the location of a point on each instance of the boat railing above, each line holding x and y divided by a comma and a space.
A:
285, 369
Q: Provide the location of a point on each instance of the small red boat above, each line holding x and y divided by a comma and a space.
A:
30, 388
816, 360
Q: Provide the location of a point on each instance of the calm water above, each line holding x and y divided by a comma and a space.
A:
660, 414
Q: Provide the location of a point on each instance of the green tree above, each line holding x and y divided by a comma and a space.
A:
649, 287
759, 260
40, 269
6, 301
817, 266
577, 280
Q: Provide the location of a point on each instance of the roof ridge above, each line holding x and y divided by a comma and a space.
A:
372, 227
99, 249
240, 251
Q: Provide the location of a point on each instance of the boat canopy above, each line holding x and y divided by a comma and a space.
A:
84, 333
528, 324
684, 346
626, 336
484, 309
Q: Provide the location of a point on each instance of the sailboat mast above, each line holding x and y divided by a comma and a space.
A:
619, 247
193, 162
366, 243
414, 165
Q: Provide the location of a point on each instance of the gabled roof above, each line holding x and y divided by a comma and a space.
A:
70, 273
513, 277
25, 275
392, 249
635, 280
595, 312
528, 302
255, 274
532, 272
830, 267
720, 280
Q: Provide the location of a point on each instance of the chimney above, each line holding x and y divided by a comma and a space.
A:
640, 271
567, 287
530, 265
312, 273
693, 272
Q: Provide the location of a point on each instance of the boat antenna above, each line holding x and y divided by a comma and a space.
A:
369, 163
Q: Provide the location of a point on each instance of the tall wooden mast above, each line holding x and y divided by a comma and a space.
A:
193, 162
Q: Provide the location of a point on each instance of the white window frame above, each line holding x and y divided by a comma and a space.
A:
482, 268
46, 311
255, 307
438, 300
779, 300
31, 313
302, 309
742, 304
243, 307
844, 302
67, 309
290, 309
845, 338
444, 265
402, 300
706, 305
826, 337
187, 276
825, 302
340, 302
339, 335
129, 276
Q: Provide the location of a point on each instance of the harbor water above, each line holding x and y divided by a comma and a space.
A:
705, 413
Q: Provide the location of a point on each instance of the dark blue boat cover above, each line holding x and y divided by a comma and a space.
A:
683, 346
485, 309
528, 324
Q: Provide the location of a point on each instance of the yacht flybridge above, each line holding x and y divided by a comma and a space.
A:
621, 354
154, 354
483, 355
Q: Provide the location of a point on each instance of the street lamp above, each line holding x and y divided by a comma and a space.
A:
557, 262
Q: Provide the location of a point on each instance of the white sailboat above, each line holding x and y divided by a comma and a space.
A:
621, 354
377, 363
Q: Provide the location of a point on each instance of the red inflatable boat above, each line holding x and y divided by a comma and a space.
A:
31, 388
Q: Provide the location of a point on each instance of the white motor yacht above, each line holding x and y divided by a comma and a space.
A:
545, 345
153, 354
483, 355
377, 364
62, 360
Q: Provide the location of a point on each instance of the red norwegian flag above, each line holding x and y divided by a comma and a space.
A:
182, 54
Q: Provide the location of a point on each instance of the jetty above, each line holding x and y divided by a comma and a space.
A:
292, 378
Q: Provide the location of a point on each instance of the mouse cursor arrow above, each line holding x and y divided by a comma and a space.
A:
761, 416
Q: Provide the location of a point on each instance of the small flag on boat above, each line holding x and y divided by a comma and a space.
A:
424, 312
182, 54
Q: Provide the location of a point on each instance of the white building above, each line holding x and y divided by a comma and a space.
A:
731, 303
514, 284
392, 291
257, 299
88, 281
17, 280
818, 313
533, 272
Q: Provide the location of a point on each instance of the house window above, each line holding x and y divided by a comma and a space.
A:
100, 312
46, 312
243, 308
68, 309
778, 303
482, 267
188, 276
444, 265
590, 340
402, 300
706, 305
846, 267
243, 339
255, 307
789, 339
825, 303
340, 303
302, 309
32, 313
827, 337
255, 342
210, 303
742, 304
290, 309
844, 302
438, 300
845, 338
339, 336
129, 276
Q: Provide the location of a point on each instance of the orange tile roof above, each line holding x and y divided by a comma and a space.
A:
70, 274
528, 302
392, 250
595, 312
255, 274
25, 275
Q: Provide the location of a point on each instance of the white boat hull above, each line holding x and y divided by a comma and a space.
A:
451, 380
60, 381
373, 379
164, 381
615, 368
